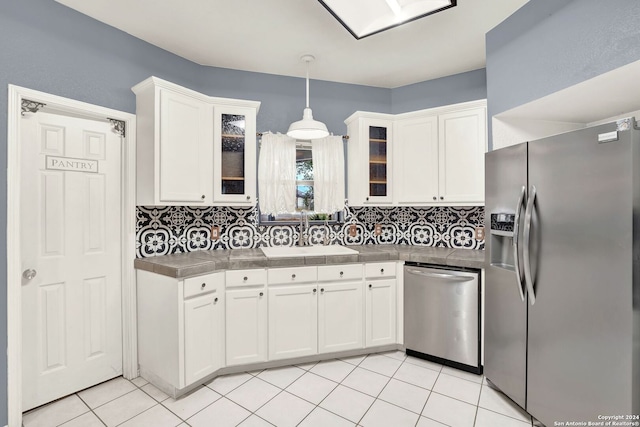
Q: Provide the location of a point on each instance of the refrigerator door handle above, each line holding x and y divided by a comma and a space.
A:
527, 240
516, 252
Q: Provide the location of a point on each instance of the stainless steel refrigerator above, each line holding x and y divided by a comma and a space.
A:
562, 301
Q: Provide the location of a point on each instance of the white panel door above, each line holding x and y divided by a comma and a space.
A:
340, 319
203, 336
462, 148
293, 321
71, 309
380, 300
416, 157
186, 153
246, 326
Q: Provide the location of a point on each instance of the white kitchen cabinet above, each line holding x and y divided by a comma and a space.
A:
180, 328
380, 304
293, 321
174, 145
370, 158
203, 336
246, 325
416, 152
462, 144
435, 157
193, 149
340, 309
234, 161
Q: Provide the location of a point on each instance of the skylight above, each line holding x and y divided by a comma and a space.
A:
363, 18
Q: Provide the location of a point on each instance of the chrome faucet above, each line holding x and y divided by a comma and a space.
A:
327, 232
303, 237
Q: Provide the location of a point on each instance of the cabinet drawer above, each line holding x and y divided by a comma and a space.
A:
332, 273
283, 276
380, 269
205, 284
246, 277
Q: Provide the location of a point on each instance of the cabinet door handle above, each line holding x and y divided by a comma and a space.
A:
204, 285
321, 289
435, 198
382, 271
293, 276
367, 199
203, 197
341, 273
370, 286
248, 197
441, 197
245, 278
315, 290
215, 300
261, 294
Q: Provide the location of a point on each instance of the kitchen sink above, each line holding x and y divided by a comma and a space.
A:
300, 251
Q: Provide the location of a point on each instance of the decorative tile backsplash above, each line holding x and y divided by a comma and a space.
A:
176, 229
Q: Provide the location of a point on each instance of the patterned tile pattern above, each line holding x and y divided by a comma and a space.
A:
177, 229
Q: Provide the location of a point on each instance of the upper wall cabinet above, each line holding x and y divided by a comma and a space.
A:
370, 159
234, 161
193, 149
436, 157
462, 143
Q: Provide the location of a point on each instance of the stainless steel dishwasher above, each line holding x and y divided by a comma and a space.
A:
442, 315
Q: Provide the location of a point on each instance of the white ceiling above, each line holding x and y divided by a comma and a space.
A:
269, 36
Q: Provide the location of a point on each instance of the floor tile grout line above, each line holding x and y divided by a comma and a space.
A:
328, 394
501, 413
376, 398
239, 385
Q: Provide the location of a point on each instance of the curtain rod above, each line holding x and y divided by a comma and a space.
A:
259, 134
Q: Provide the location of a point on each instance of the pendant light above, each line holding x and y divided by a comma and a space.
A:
307, 128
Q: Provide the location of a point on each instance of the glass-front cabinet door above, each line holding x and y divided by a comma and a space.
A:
234, 156
378, 171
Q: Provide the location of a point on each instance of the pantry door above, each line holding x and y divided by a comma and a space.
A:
71, 223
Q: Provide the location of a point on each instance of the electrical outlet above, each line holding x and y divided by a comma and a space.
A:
353, 230
479, 233
378, 229
215, 232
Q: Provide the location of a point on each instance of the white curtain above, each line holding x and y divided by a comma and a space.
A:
277, 174
328, 174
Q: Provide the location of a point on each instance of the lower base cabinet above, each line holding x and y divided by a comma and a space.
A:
340, 317
180, 328
246, 325
293, 321
380, 301
190, 328
203, 335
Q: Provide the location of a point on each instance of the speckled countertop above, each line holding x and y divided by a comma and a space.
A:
203, 262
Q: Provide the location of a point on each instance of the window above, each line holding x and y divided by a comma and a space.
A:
304, 192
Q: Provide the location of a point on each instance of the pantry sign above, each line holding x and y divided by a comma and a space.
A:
71, 164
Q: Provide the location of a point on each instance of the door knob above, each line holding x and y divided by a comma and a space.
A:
29, 274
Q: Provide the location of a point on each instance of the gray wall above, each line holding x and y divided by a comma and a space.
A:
547, 46
51, 48
462, 87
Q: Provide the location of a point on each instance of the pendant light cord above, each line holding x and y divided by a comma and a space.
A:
307, 84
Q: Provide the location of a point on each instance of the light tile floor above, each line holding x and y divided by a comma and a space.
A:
381, 390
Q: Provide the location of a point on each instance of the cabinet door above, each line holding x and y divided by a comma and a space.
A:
340, 317
185, 149
246, 326
463, 139
380, 298
203, 336
416, 157
293, 321
377, 137
234, 155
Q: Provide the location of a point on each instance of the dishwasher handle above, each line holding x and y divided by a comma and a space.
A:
451, 277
